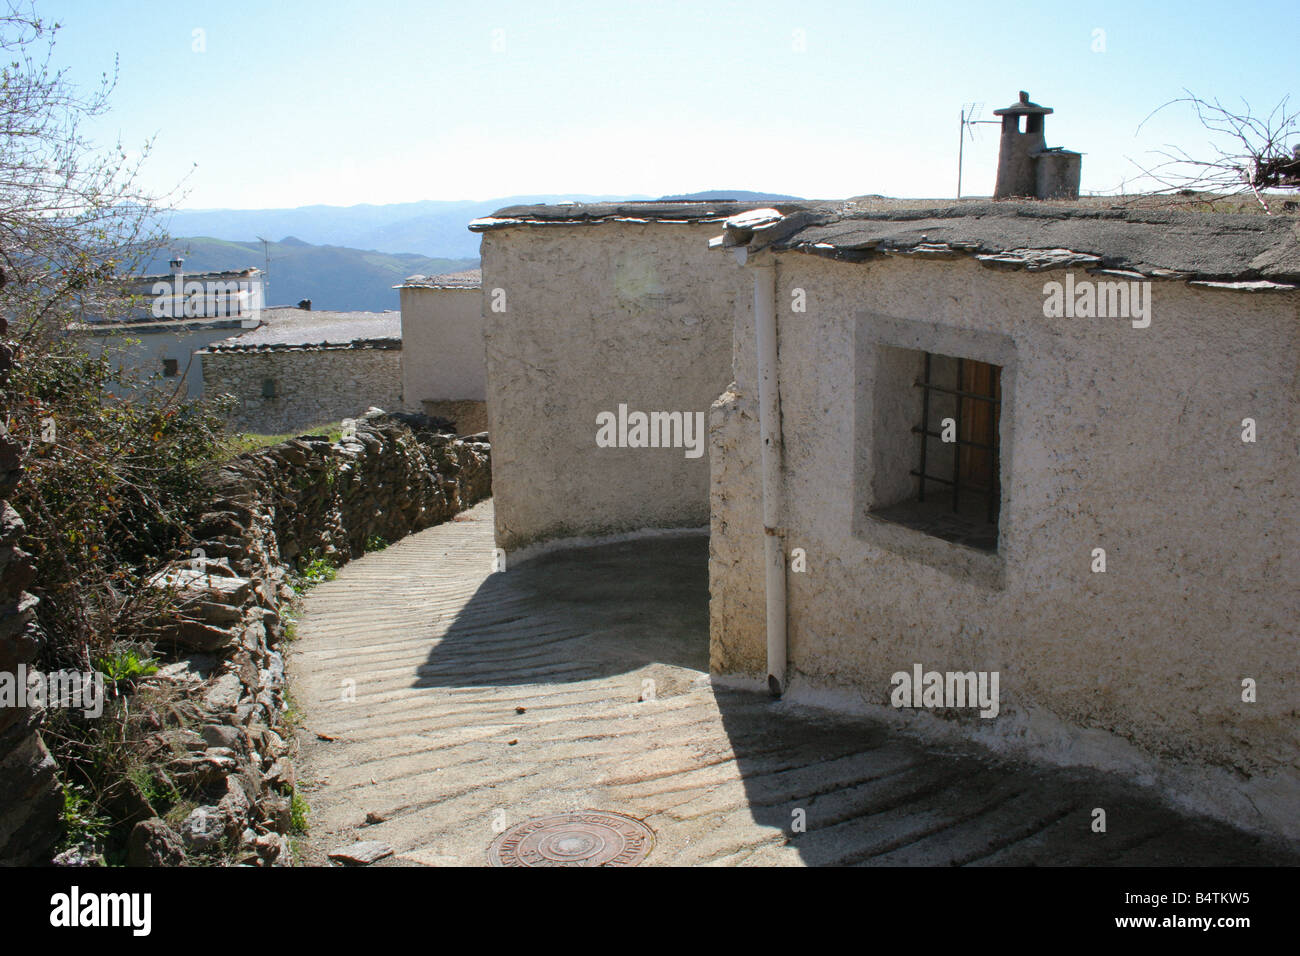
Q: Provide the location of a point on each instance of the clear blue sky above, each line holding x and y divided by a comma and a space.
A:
326, 101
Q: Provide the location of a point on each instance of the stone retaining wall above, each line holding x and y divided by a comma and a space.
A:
222, 666
271, 510
29, 797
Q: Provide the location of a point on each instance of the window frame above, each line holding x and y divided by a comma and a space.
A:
889, 354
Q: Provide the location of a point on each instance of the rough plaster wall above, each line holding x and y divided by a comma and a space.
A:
442, 345
599, 315
737, 635
144, 352
1127, 439
315, 386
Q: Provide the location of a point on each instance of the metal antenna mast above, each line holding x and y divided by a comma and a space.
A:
266, 265
969, 118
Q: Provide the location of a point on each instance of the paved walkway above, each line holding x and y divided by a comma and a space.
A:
482, 700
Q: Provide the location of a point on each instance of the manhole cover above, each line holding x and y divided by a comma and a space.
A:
589, 838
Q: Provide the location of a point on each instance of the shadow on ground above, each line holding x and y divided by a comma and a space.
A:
580, 615
834, 790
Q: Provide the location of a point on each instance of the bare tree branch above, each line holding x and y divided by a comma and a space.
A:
1263, 158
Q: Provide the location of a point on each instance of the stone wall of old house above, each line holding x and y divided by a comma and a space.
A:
598, 315
1115, 437
30, 802
313, 384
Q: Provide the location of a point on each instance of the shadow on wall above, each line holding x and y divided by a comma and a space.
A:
838, 790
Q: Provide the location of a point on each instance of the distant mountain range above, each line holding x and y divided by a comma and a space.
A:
349, 257
739, 195
429, 228
333, 277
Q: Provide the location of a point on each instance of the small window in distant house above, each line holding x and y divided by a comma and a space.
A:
269, 389
171, 367
956, 491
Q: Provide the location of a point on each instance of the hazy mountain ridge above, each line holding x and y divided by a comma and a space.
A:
430, 227
333, 277
739, 195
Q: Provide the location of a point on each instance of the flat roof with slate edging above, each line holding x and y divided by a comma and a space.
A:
1217, 248
196, 276
290, 328
468, 279
584, 213
149, 326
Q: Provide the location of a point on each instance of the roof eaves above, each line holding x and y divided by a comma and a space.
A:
1265, 253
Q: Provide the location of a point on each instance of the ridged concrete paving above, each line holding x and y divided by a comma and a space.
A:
483, 699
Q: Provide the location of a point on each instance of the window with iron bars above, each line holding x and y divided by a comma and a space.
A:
956, 465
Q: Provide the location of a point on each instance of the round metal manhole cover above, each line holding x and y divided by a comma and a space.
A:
589, 838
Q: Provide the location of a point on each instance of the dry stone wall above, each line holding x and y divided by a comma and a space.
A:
272, 510
221, 654
29, 796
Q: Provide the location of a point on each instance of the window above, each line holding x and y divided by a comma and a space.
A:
269, 388
961, 404
171, 367
942, 503
938, 442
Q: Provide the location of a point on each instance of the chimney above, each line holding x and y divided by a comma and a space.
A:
177, 264
1027, 167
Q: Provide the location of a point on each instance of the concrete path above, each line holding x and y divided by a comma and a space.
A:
450, 702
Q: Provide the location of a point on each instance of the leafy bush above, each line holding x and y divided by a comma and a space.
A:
82, 820
112, 485
316, 570
125, 666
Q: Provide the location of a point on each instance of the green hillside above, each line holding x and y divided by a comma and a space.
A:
333, 277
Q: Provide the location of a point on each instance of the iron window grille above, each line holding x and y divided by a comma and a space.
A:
972, 485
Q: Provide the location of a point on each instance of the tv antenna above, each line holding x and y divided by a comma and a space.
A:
266, 258
969, 119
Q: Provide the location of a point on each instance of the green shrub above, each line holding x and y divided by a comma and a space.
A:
317, 569
125, 666
299, 811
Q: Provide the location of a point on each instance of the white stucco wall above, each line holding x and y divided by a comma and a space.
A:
442, 345
597, 316
142, 350
1120, 438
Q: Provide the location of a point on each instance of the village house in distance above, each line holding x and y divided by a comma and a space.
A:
443, 367
301, 367
1045, 439
160, 322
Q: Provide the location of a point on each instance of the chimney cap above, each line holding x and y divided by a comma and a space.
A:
1023, 108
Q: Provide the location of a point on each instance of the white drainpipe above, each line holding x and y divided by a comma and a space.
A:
769, 425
